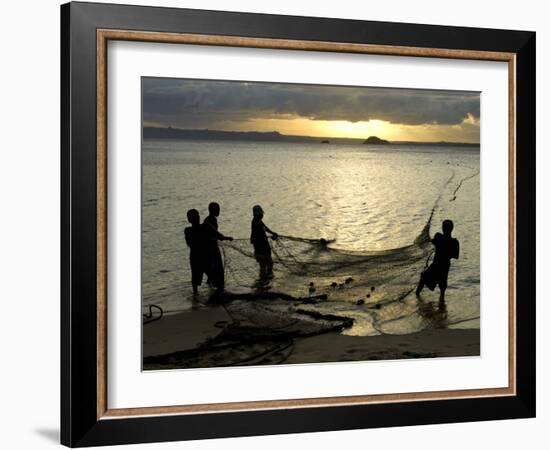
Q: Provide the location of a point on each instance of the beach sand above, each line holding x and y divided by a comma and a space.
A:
183, 331
442, 342
179, 337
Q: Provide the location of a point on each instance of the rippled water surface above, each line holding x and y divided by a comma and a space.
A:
365, 198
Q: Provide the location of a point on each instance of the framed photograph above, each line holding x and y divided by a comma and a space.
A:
276, 224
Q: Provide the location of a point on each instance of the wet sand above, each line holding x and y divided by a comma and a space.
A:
184, 335
442, 342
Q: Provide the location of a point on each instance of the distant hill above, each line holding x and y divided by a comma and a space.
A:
275, 136
216, 135
375, 140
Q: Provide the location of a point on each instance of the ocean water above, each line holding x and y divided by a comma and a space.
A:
375, 204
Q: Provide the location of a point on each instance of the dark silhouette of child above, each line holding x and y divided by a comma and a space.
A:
446, 247
214, 264
258, 238
194, 237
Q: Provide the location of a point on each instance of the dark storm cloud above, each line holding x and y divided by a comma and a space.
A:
203, 103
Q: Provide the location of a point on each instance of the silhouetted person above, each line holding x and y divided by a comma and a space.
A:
195, 239
258, 238
446, 247
214, 263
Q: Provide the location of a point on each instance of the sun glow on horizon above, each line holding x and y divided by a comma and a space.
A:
468, 131
321, 128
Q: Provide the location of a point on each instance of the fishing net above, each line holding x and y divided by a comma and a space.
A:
312, 268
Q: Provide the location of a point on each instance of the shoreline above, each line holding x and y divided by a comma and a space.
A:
182, 341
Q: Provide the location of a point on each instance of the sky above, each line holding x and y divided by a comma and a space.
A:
312, 110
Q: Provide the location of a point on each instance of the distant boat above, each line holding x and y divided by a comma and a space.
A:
375, 140
326, 141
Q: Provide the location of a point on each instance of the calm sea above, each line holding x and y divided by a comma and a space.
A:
364, 198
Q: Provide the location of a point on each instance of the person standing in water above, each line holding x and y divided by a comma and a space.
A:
258, 238
194, 237
446, 247
214, 265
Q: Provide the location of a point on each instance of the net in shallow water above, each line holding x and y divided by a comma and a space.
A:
305, 267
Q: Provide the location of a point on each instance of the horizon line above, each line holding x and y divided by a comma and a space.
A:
305, 136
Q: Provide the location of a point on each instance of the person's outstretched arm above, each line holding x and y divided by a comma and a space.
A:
216, 233
273, 234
